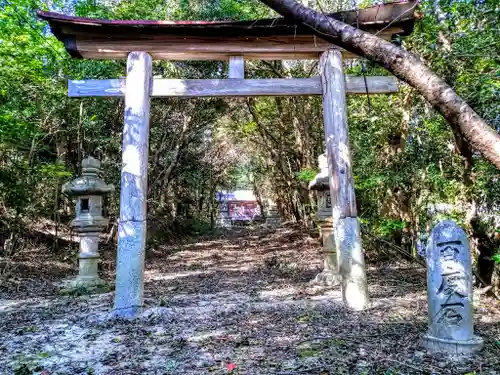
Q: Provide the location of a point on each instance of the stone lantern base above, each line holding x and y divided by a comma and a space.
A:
327, 278
83, 283
436, 345
88, 262
330, 275
88, 276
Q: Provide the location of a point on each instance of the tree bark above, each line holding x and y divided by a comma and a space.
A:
404, 65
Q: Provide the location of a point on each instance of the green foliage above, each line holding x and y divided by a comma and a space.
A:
405, 156
249, 128
308, 353
306, 174
388, 227
40, 125
496, 252
175, 9
54, 171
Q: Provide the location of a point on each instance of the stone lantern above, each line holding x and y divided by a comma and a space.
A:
89, 190
320, 184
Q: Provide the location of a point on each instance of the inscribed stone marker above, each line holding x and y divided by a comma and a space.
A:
449, 292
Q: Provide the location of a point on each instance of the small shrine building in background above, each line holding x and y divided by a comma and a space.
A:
237, 206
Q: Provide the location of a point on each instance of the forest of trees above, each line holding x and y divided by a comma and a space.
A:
406, 158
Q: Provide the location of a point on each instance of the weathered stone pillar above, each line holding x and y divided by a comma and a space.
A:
89, 222
273, 218
449, 292
344, 211
134, 181
330, 273
223, 220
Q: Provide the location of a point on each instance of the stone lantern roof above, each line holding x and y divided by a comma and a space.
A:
89, 183
321, 180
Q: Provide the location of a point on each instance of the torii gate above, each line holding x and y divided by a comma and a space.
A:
270, 39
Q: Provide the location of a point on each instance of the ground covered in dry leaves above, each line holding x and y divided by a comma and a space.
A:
239, 303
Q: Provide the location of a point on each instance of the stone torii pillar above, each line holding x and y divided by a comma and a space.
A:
344, 211
134, 181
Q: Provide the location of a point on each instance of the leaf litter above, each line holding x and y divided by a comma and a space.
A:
237, 303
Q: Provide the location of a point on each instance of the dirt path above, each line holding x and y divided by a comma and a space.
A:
242, 300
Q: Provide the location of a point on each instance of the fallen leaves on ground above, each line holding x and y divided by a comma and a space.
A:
238, 303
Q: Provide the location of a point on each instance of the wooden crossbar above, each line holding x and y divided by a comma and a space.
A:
188, 88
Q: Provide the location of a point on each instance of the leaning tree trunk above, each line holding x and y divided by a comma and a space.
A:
404, 65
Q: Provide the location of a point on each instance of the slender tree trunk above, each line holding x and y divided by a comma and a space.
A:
61, 150
404, 65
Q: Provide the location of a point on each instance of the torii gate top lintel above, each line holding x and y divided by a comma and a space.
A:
264, 39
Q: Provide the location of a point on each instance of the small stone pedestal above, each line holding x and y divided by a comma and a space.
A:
273, 218
89, 222
223, 220
449, 293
